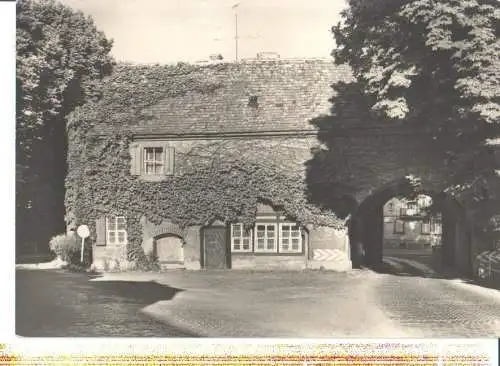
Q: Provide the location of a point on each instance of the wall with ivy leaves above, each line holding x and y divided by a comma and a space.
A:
219, 177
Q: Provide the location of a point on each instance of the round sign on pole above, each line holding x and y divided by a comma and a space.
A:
83, 231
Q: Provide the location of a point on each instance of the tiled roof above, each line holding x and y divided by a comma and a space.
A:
257, 96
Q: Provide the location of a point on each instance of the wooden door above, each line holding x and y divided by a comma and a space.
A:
215, 248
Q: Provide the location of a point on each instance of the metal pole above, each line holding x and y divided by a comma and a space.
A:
236, 34
81, 254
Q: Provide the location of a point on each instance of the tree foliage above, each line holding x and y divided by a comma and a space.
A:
432, 62
433, 67
61, 57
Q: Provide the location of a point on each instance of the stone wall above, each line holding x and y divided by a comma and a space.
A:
110, 258
266, 262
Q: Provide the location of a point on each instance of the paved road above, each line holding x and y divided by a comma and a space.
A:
256, 304
432, 304
437, 307
57, 303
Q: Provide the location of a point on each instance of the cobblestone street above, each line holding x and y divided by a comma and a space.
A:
437, 307
360, 303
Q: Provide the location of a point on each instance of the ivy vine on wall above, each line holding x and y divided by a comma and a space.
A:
99, 180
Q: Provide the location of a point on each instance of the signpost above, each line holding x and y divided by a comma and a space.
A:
83, 232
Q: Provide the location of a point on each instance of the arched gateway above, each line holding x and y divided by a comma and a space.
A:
366, 228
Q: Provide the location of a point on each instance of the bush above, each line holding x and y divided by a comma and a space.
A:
147, 262
68, 248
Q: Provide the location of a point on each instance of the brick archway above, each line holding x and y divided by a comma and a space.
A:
366, 227
169, 249
168, 244
168, 228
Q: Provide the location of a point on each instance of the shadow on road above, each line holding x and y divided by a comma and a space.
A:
438, 271
59, 303
139, 293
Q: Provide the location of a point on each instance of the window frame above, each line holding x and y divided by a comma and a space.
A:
278, 247
241, 237
168, 159
266, 238
409, 206
116, 231
435, 224
300, 237
155, 162
426, 223
402, 227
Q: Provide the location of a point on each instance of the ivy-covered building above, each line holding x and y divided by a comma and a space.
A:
204, 167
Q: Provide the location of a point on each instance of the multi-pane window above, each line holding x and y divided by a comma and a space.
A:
436, 227
284, 237
290, 238
390, 208
153, 161
116, 230
409, 209
241, 238
426, 227
266, 238
399, 227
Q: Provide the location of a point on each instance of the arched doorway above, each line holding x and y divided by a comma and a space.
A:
366, 228
169, 249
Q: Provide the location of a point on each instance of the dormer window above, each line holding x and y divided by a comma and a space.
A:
253, 101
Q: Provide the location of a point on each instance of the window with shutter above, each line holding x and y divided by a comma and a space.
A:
152, 160
101, 231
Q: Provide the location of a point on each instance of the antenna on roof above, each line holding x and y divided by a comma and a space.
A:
236, 28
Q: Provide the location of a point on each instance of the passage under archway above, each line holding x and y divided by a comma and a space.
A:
448, 229
169, 249
409, 224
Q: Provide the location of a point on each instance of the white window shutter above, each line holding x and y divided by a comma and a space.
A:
100, 228
135, 159
170, 160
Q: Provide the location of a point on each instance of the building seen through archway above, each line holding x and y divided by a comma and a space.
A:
428, 230
410, 226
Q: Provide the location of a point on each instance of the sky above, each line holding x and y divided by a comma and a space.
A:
166, 31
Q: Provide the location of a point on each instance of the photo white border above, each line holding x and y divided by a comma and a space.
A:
37, 347
7, 180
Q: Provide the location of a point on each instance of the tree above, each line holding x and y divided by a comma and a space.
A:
61, 56
433, 64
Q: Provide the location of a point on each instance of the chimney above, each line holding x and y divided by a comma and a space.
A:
216, 57
268, 56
